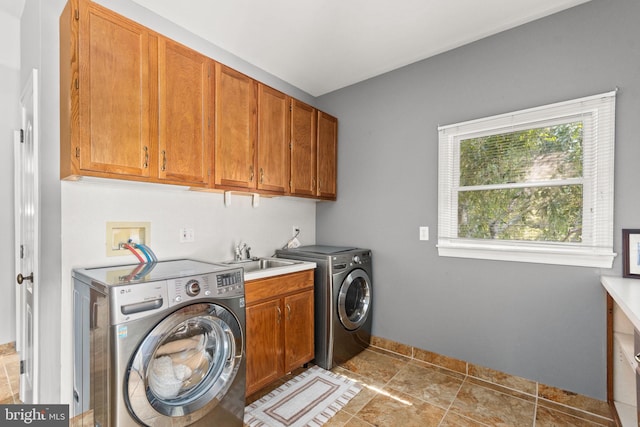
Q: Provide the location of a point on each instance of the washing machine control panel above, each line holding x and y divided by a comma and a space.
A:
215, 285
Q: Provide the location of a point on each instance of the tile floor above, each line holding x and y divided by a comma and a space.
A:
401, 391
9, 378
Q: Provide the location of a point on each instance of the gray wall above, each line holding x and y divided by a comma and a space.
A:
541, 322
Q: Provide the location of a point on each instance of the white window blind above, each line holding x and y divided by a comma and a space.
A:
571, 182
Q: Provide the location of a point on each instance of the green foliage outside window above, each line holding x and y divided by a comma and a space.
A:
524, 193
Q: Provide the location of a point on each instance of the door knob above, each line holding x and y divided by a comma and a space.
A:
22, 278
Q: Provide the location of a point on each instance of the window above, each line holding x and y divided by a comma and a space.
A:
535, 185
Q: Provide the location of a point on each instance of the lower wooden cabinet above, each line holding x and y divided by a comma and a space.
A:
279, 327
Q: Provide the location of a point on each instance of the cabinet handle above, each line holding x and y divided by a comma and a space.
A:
261, 176
637, 357
288, 312
146, 157
279, 314
251, 173
164, 160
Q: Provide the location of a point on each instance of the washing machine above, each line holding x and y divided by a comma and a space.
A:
343, 300
160, 344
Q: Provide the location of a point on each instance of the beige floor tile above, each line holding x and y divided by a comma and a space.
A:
428, 384
511, 381
451, 419
357, 422
491, 407
360, 400
399, 409
12, 367
574, 400
5, 388
360, 379
339, 419
375, 366
546, 417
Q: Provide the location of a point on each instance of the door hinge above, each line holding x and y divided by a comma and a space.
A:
21, 251
22, 135
21, 367
77, 152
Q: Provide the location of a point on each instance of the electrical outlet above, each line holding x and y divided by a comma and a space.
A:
295, 230
187, 235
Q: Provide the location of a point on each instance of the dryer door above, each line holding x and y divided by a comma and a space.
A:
354, 299
185, 365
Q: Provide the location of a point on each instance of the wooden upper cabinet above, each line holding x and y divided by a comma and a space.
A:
303, 149
135, 105
235, 130
273, 158
327, 156
185, 97
114, 92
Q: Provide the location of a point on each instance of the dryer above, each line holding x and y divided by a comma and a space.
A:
343, 300
160, 344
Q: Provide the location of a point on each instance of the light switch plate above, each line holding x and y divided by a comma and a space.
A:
424, 233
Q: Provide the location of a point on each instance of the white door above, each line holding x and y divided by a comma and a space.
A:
26, 197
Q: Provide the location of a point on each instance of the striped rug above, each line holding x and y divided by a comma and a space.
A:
308, 399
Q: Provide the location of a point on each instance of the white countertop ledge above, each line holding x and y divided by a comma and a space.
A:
277, 271
626, 293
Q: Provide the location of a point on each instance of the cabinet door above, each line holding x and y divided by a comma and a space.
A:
273, 140
303, 149
264, 344
115, 91
298, 335
184, 96
235, 123
327, 155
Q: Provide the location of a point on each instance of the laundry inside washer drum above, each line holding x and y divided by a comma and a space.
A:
181, 365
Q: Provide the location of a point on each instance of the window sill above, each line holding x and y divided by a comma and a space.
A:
534, 253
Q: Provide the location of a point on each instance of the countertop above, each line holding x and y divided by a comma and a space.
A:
626, 293
276, 271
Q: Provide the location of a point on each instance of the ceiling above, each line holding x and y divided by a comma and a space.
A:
12, 7
323, 45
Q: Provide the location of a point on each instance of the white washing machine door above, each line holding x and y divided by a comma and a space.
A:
184, 366
354, 299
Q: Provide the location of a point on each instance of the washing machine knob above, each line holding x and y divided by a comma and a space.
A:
356, 259
193, 288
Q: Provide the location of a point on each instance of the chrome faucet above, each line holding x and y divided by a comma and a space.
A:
242, 252
238, 251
